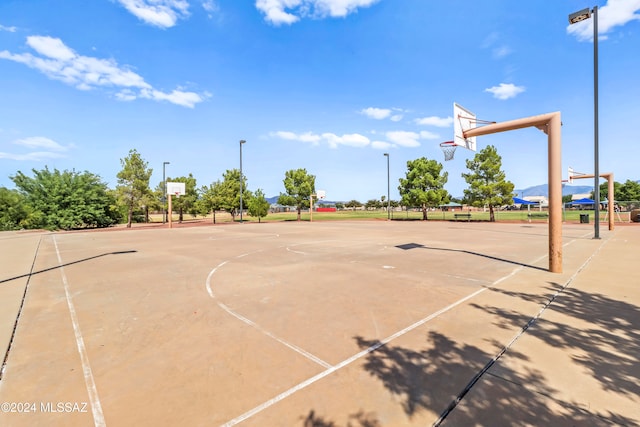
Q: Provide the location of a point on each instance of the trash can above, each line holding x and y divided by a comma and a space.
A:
584, 218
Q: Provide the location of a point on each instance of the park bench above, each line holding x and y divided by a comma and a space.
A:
466, 216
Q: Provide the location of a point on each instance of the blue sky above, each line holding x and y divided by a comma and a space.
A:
326, 85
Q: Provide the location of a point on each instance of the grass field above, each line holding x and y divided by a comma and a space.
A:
510, 216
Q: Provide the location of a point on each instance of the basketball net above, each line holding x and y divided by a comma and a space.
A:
449, 149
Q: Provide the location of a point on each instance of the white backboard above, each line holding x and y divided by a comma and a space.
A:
463, 120
175, 188
321, 194
573, 174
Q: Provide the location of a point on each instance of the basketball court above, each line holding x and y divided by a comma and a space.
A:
370, 323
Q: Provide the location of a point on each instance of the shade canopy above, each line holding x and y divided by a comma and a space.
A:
519, 201
584, 201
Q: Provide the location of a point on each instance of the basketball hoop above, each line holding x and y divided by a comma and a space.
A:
449, 149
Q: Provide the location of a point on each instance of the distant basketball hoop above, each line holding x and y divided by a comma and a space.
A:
176, 188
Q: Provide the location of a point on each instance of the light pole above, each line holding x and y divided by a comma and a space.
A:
164, 193
573, 19
388, 189
242, 141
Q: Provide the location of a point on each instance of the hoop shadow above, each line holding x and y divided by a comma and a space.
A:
409, 246
66, 264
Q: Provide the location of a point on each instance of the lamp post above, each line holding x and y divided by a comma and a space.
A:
164, 193
388, 190
242, 141
573, 19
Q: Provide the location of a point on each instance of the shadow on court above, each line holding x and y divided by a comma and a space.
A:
358, 419
409, 246
609, 349
66, 265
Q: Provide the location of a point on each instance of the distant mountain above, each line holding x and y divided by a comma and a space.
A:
543, 190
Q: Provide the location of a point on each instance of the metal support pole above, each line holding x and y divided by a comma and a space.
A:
242, 141
388, 190
164, 193
596, 168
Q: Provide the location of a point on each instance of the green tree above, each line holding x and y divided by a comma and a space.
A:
225, 194
299, 186
373, 204
186, 202
487, 183
424, 185
14, 210
258, 205
629, 191
209, 200
353, 203
133, 183
66, 200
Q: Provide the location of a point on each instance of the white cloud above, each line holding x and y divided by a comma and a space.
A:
505, 91
492, 42
404, 138
614, 14
393, 139
35, 156
304, 137
441, 122
383, 113
376, 113
210, 6
178, 97
280, 12
59, 62
40, 142
380, 145
424, 134
501, 52
351, 140
333, 140
47, 149
50, 47
9, 29
161, 13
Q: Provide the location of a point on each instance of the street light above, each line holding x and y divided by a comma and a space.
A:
164, 193
573, 19
388, 189
242, 141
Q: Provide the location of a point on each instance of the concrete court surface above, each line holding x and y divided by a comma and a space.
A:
371, 323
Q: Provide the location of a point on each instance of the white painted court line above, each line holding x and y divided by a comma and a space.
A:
371, 349
92, 391
270, 335
255, 325
359, 355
